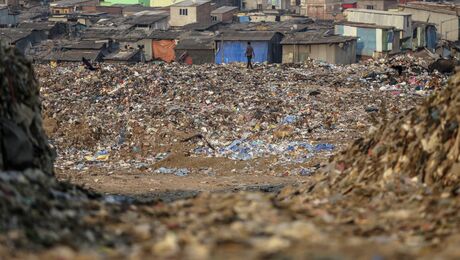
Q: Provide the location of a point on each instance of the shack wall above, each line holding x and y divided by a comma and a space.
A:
234, 51
449, 30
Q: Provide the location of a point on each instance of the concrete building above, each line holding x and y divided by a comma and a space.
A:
372, 40
321, 9
190, 11
8, 17
224, 14
70, 6
382, 5
400, 20
445, 20
299, 47
250, 5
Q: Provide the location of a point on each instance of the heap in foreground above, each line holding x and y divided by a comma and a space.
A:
393, 193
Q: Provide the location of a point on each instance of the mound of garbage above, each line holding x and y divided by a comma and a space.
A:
376, 201
423, 145
34, 206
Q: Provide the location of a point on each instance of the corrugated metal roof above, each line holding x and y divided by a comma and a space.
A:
428, 7
196, 41
366, 25
315, 38
85, 45
14, 34
37, 25
376, 12
224, 9
148, 19
74, 55
65, 3
246, 36
123, 55
165, 35
190, 3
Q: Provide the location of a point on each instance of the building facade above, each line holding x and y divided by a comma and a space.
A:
224, 14
300, 47
321, 9
190, 11
382, 5
446, 21
372, 40
401, 21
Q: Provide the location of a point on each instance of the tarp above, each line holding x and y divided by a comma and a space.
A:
234, 51
164, 50
431, 37
367, 43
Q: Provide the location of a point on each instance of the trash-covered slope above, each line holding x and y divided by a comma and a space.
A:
398, 218
423, 145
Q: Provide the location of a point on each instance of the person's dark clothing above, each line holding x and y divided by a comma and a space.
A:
249, 65
249, 54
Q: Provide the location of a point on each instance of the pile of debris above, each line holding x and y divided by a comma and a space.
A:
121, 112
34, 206
423, 145
393, 194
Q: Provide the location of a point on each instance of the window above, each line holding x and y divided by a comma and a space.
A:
214, 18
259, 7
414, 33
183, 11
243, 6
369, 7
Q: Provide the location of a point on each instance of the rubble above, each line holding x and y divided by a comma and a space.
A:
391, 194
151, 108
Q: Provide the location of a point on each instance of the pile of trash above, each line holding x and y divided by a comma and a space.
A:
371, 204
36, 210
123, 116
423, 146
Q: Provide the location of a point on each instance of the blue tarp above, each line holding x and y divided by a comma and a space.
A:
366, 44
244, 19
431, 38
234, 51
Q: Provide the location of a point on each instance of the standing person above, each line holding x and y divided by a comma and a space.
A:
249, 55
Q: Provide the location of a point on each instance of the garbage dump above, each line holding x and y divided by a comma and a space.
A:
391, 194
123, 117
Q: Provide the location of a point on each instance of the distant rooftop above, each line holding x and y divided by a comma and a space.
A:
366, 25
376, 12
224, 9
246, 36
123, 55
315, 38
37, 25
190, 3
74, 55
66, 3
14, 34
85, 45
196, 41
165, 35
148, 19
432, 7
